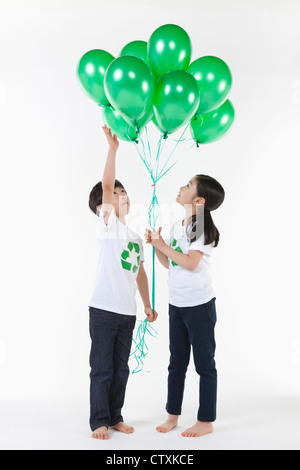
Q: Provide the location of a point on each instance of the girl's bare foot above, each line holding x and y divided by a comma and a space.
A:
100, 433
168, 425
199, 429
122, 427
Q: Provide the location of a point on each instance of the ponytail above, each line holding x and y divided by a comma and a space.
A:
199, 224
202, 222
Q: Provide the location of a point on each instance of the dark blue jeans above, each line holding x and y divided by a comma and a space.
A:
193, 327
111, 335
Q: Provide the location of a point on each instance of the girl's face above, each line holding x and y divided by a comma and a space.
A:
188, 194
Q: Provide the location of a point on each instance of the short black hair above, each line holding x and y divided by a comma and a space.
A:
95, 198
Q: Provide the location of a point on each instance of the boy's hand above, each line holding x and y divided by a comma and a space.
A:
154, 238
151, 316
111, 139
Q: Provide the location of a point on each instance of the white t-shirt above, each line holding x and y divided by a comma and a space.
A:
189, 288
120, 252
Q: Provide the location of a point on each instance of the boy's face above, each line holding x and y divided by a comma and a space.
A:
121, 202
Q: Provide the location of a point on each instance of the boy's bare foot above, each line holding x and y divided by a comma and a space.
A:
199, 429
168, 425
100, 433
122, 427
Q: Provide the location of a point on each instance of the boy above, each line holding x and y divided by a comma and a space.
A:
113, 306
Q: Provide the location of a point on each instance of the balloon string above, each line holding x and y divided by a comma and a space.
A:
182, 140
144, 152
149, 149
160, 150
160, 174
153, 278
141, 349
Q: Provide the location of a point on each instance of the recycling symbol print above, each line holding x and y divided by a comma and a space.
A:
176, 249
130, 258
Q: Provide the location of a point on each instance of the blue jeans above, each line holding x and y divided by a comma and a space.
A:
193, 327
111, 335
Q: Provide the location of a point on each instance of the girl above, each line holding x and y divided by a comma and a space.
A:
192, 312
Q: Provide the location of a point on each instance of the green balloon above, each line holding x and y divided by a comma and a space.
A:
118, 125
175, 100
129, 86
214, 80
90, 73
137, 49
144, 120
212, 126
169, 48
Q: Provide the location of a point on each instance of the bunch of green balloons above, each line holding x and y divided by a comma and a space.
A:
156, 81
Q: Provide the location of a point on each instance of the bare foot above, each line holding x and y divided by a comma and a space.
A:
168, 425
100, 433
122, 427
200, 429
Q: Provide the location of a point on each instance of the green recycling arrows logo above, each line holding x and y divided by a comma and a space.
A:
130, 258
176, 249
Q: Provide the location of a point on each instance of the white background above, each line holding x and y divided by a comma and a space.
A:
53, 152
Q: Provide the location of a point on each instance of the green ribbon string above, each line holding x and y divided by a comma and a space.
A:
156, 173
160, 174
141, 349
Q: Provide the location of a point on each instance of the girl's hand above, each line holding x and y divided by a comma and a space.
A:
151, 316
154, 238
111, 139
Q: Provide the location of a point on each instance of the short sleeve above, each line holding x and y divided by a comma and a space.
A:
198, 245
102, 228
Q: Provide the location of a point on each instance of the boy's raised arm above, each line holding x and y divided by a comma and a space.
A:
109, 173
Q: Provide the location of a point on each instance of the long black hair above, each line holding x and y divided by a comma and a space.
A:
202, 222
95, 198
